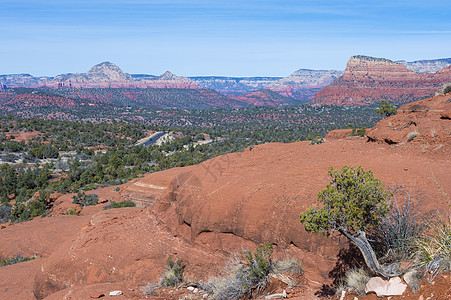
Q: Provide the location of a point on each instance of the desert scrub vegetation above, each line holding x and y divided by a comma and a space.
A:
314, 139
434, 247
71, 211
412, 135
14, 260
250, 273
358, 132
173, 274
85, 200
396, 235
125, 203
356, 280
288, 265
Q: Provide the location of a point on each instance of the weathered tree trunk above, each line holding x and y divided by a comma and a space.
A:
369, 255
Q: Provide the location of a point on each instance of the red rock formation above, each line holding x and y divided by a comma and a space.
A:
264, 97
201, 213
423, 122
368, 80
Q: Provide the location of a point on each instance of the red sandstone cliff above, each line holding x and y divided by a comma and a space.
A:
368, 80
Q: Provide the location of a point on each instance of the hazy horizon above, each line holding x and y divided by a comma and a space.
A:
212, 38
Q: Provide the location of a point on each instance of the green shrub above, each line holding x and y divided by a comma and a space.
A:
358, 132
254, 269
314, 139
85, 200
5, 213
71, 211
173, 274
386, 109
353, 202
250, 274
14, 260
125, 203
21, 212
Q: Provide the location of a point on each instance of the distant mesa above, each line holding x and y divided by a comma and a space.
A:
367, 80
108, 75
303, 84
426, 66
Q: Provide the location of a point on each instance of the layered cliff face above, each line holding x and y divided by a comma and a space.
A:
303, 84
368, 80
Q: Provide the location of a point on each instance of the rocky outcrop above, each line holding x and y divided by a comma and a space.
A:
423, 122
368, 80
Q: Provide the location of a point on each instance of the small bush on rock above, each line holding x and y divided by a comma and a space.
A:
356, 280
125, 203
224, 288
251, 274
386, 109
85, 200
149, 289
290, 265
402, 225
254, 268
174, 272
71, 211
14, 260
434, 247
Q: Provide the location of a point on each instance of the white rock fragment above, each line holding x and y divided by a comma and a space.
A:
383, 288
115, 293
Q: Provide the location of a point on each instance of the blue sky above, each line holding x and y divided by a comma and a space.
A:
209, 37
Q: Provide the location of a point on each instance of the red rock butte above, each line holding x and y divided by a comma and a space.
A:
368, 80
